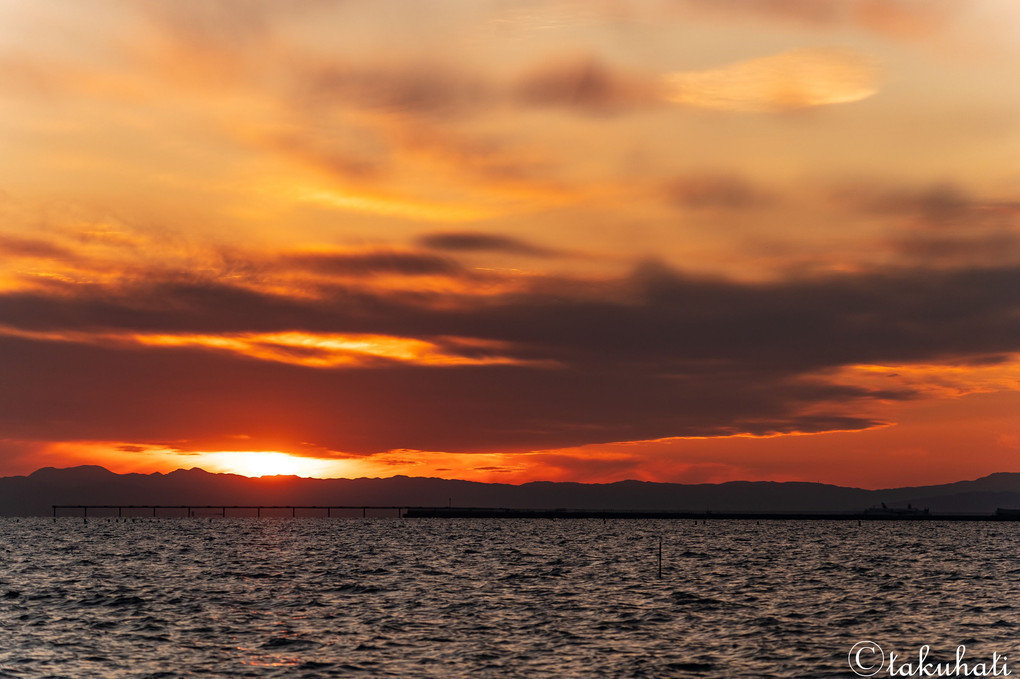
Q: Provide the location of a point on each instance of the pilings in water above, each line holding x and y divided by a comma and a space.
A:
436, 512
189, 511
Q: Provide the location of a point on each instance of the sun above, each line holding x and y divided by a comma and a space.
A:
269, 463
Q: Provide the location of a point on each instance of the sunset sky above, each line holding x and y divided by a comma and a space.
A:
669, 240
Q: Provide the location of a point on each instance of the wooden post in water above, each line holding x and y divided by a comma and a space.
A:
363, 510
223, 512
329, 510
258, 512
660, 557
293, 512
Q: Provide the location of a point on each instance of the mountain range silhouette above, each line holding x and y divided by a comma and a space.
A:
33, 495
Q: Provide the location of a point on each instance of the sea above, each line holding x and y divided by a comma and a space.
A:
450, 598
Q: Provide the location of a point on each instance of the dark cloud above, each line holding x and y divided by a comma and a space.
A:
999, 247
586, 83
714, 191
421, 88
435, 90
654, 316
941, 224
157, 306
473, 241
937, 204
413, 128
374, 262
55, 391
653, 355
32, 247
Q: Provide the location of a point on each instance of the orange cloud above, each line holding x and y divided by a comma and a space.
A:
329, 350
947, 379
782, 82
216, 222
396, 206
311, 350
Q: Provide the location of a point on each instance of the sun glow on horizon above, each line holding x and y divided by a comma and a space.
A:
126, 458
270, 463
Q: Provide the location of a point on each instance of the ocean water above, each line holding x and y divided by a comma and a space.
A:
496, 598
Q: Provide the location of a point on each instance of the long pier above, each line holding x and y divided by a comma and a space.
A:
189, 510
419, 512
490, 513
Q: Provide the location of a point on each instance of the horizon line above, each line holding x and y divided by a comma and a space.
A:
492, 483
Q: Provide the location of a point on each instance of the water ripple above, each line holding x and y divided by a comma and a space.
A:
502, 598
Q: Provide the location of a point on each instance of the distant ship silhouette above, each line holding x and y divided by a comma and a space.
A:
883, 510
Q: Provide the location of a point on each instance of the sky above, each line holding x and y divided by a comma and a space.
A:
669, 240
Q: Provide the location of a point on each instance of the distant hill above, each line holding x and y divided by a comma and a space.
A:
34, 494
